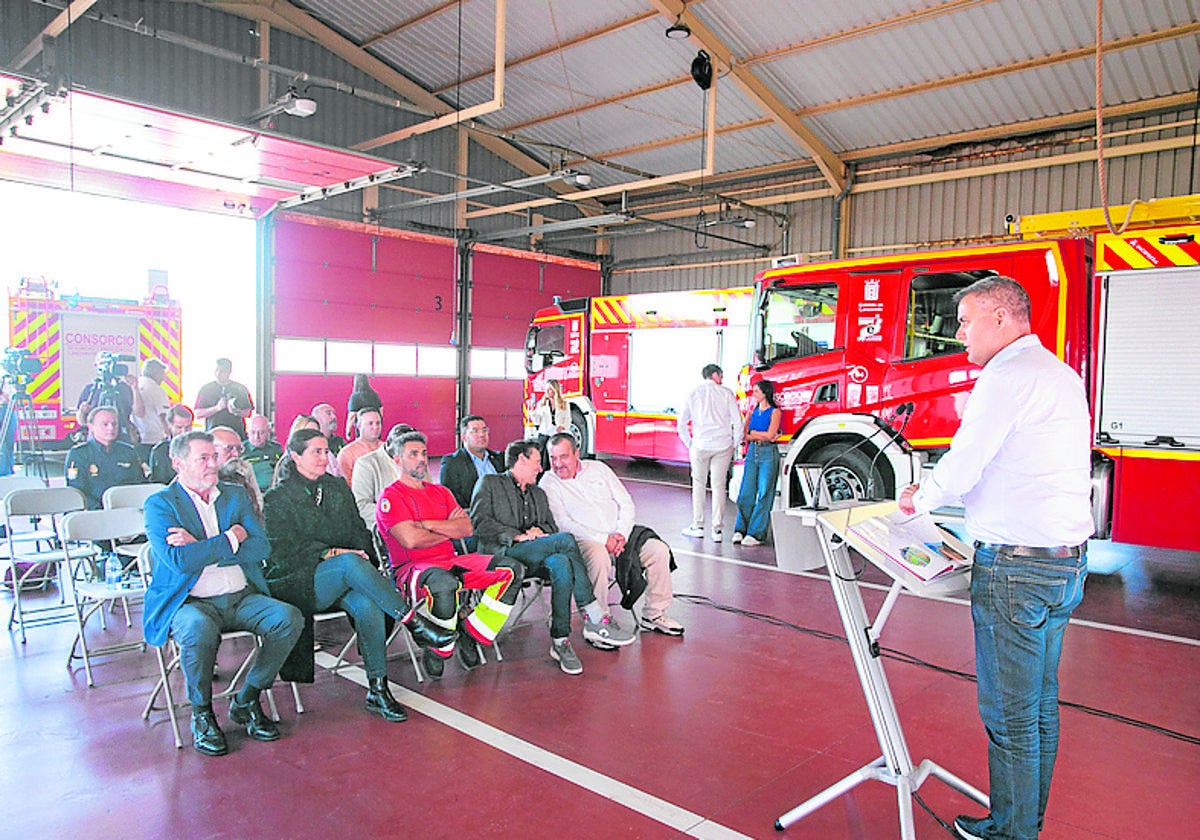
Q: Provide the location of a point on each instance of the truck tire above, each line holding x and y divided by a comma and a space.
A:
848, 472
579, 431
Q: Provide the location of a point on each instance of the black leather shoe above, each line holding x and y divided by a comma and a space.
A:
258, 725
207, 737
427, 634
467, 651
433, 664
381, 702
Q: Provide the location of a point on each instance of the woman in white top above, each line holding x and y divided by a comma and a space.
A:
551, 416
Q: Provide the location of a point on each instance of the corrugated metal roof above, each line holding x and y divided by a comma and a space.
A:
826, 61
842, 67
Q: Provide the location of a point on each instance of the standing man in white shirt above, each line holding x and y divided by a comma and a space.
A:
1021, 465
715, 432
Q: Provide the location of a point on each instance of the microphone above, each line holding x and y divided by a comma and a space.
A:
904, 410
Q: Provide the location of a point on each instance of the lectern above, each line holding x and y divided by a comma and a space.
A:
835, 531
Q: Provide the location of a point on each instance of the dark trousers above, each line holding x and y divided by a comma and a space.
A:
199, 623
557, 558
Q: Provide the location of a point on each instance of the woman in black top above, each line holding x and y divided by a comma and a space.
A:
362, 396
322, 557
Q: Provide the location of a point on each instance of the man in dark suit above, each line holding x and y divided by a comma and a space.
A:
473, 459
511, 517
208, 549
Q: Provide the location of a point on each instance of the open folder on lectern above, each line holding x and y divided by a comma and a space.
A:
914, 543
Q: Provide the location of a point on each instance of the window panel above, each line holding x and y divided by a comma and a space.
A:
300, 355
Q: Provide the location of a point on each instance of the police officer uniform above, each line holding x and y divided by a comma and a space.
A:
92, 469
263, 459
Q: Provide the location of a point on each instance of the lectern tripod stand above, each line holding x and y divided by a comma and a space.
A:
895, 765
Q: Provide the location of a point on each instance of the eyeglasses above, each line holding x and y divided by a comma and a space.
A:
235, 448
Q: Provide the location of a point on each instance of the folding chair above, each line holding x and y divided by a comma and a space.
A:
129, 496
92, 595
53, 503
35, 534
168, 663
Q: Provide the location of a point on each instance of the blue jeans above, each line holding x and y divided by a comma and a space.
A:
1020, 607
557, 557
357, 587
199, 622
756, 497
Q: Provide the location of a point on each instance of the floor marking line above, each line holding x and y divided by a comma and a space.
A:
962, 602
680, 819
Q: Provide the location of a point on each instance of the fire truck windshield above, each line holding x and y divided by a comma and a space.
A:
795, 322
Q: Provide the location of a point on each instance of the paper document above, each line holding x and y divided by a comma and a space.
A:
913, 542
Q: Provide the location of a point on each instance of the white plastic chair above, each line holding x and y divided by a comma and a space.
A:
91, 595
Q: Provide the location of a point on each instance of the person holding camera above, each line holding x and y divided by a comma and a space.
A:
114, 386
102, 461
224, 402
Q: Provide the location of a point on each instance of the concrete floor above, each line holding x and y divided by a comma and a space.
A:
712, 735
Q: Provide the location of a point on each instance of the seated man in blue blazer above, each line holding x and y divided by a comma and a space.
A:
208, 550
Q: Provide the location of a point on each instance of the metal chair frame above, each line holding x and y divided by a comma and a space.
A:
91, 595
55, 503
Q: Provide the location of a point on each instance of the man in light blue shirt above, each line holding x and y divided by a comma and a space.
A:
472, 460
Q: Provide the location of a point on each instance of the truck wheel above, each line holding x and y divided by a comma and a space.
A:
849, 472
579, 432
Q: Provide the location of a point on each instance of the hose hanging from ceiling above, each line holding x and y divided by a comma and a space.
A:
1101, 171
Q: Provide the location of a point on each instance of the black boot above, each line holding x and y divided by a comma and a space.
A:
426, 633
381, 702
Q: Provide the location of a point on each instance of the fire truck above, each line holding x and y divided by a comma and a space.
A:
872, 381
65, 334
626, 363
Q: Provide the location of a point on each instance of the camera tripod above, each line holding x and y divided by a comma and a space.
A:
18, 437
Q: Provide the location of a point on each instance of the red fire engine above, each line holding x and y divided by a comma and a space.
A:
626, 363
872, 381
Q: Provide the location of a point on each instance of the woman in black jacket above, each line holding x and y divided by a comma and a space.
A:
322, 558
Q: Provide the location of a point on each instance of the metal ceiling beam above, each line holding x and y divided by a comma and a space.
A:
923, 87
483, 108
762, 58
411, 22
826, 160
554, 49
866, 29
55, 28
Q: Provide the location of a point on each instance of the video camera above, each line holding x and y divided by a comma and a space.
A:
20, 364
110, 368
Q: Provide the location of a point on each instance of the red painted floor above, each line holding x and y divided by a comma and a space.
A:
735, 723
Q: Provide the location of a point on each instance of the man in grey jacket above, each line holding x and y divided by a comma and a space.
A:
511, 516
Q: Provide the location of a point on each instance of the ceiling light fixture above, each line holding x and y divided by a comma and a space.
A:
291, 103
679, 30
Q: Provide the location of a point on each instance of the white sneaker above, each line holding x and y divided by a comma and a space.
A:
716, 535
737, 537
662, 624
693, 531
750, 542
